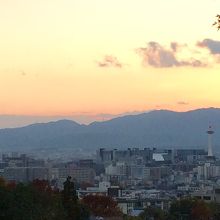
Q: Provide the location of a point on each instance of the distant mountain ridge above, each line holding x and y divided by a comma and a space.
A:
160, 128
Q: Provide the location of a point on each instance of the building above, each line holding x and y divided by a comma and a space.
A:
79, 174
25, 174
184, 155
128, 155
208, 171
127, 205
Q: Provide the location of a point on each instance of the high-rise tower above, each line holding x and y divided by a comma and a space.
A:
210, 132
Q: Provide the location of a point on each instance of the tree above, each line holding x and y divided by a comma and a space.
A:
191, 209
2, 182
217, 22
181, 209
39, 201
132, 217
103, 206
6, 203
29, 202
201, 211
153, 213
215, 210
74, 210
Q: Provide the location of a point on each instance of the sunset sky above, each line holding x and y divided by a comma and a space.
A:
83, 57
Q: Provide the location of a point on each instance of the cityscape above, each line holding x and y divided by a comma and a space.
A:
135, 178
110, 110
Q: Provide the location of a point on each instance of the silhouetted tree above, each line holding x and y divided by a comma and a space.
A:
27, 202
215, 210
132, 218
74, 210
201, 211
191, 209
2, 182
153, 213
217, 22
181, 209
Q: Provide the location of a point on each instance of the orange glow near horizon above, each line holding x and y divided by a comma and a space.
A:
81, 58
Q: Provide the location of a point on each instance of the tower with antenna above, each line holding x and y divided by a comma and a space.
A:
210, 132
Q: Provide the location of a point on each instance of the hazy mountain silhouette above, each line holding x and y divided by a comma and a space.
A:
159, 128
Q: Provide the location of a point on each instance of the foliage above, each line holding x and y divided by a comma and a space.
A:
39, 201
153, 213
26, 202
132, 218
215, 210
217, 22
74, 210
190, 209
100, 205
2, 182
201, 211
36, 201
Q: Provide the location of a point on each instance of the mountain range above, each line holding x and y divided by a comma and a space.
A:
159, 128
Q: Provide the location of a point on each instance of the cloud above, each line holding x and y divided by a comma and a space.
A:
155, 55
212, 45
23, 73
158, 56
110, 61
182, 103
174, 46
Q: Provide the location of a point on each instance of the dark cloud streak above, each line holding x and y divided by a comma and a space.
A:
212, 45
157, 56
182, 103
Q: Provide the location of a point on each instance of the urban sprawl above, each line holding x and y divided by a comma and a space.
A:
135, 178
